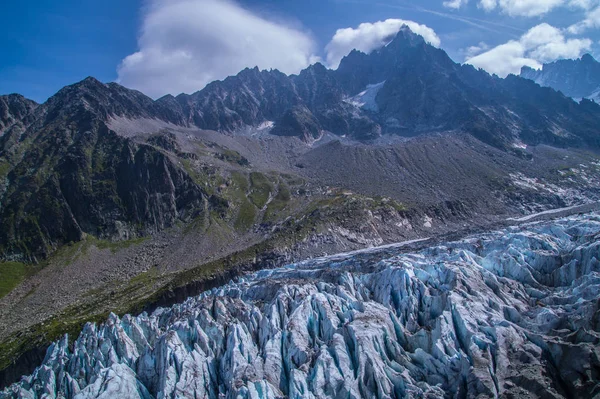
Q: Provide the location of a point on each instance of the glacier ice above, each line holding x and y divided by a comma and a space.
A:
513, 313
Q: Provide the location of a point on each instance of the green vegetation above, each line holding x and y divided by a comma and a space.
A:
261, 189
12, 274
206, 177
129, 298
240, 181
187, 166
238, 192
379, 202
4, 168
232, 156
278, 204
246, 216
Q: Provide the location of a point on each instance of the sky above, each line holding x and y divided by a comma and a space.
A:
172, 46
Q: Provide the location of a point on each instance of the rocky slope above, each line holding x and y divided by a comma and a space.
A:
512, 313
575, 78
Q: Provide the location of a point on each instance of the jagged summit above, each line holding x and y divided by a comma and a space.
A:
13, 109
579, 78
420, 90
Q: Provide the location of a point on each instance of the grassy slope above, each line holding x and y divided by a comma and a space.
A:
12, 274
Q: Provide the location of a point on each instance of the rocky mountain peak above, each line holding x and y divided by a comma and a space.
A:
106, 100
13, 108
249, 73
406, 87
588, 58
406, 37
315, 69
526, 70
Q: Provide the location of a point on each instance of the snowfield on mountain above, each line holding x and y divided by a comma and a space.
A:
511, 313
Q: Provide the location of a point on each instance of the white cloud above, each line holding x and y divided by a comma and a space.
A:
528, 8
371, 36
488, 5
591, 21
541, 44
455, 4
532, 8
472, 51
504, 59
584, 4
185, 44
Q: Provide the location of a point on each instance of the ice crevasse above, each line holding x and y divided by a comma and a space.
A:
512, 313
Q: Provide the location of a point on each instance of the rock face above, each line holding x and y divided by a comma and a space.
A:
511, 313
13, 109
575, 78
67, 174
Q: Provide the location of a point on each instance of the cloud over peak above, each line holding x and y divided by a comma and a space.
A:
186, 44
372, 36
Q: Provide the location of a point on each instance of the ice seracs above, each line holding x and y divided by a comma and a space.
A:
512, 313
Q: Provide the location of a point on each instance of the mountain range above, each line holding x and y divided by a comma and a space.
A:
111, 201
574, 78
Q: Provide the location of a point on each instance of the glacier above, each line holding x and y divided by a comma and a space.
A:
511, 313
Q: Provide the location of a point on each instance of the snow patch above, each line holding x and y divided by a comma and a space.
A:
266, 125
519, 145
427, 222
366, 99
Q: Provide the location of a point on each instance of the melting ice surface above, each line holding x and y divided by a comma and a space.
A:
512, 313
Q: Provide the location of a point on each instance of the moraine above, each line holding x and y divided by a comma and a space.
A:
512, 313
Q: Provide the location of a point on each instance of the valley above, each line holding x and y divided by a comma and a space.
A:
114, 204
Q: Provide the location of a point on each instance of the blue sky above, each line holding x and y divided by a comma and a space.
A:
172, 46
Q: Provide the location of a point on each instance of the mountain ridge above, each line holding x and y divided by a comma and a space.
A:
452, 97
578, 78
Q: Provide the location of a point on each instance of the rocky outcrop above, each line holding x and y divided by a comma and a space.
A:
298, 121
14, 108
510, 313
